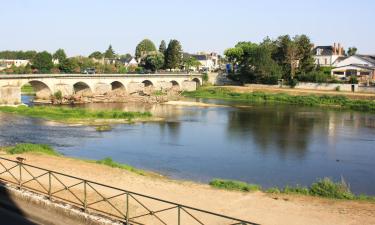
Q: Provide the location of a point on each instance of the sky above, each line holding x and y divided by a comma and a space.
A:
83, 26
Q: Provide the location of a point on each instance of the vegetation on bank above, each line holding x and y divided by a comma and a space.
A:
34, 148
27, 89
109, 162
103, 128
260, 97
322, 188
72, 114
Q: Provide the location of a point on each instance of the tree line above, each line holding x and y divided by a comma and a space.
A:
267, 62
149, 58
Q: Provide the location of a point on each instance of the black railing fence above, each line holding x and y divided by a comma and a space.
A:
126, 206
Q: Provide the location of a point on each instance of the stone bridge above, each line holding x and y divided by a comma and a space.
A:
45, 85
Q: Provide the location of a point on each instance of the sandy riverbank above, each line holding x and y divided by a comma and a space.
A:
256, 207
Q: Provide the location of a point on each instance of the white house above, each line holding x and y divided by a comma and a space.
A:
328, 55
362, 66
208, 61
7, 63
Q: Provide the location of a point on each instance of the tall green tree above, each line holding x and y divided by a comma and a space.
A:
144, 48
352, 51
173, 55
306, 59
162, 47
110, 53
190, 62
69, 65
96, 55
59, 55
154, 62
43, 62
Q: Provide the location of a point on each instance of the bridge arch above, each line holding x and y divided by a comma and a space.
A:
175, 85
197, 81
82, 88
118, 86
149, 86
41, 89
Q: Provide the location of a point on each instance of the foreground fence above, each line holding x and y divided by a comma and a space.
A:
126, 206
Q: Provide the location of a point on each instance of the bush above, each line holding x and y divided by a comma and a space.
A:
205, 77
58, 95
327, 188
293, 82
353, 80
272, 79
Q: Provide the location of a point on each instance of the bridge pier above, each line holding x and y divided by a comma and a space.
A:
10, 95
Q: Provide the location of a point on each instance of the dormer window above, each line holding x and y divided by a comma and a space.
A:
319, 51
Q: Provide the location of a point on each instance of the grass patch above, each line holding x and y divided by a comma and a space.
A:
113, 164
103, 128
34, 148
260, 97
27, 89
66, 114
234, 185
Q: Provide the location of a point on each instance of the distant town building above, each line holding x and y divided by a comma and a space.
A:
7, 63
208, 61
362, 66
131, 62
328, 55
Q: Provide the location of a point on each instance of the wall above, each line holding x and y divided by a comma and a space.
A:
10, 95
325, 87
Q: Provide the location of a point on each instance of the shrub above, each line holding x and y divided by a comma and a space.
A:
327, 188
293, 82
353, 80
205, 77
58, 95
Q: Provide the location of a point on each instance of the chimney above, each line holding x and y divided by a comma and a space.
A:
339, 49
334, 49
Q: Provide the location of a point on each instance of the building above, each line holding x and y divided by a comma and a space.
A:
328, 55
130, 62
208, 61
362, 66
7, 63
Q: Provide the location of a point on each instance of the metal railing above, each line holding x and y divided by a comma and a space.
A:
126, 206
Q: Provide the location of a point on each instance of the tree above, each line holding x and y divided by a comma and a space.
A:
173, 55
154, 62
110, 53
144, 48
126, 57
69, 66
352, 51
43, 62
96, 55
306, 61
190, 62
162, 47
59, 55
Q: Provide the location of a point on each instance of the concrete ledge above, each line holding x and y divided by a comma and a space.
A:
43, 211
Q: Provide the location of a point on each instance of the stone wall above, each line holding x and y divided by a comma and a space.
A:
325, 86
189, 86
135, 87
10, 95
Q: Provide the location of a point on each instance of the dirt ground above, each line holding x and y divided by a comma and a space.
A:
290, 91
256, 207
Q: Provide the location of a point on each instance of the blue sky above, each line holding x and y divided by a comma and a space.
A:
83, 26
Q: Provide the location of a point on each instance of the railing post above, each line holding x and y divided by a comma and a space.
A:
49, 185
127, 208
179, 215
20, 175
84, 196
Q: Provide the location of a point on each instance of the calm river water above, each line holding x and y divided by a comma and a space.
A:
271, 145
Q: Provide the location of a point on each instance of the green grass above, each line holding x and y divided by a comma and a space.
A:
34, 148
260, 97
234, 185
103, 128
113, 164
27, 89
325, 188
66, 114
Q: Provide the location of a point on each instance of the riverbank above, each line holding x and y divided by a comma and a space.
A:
256, 206
79, 115
253, 96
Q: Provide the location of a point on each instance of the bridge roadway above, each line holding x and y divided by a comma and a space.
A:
45, 85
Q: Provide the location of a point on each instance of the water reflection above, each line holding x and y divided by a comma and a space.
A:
289, 130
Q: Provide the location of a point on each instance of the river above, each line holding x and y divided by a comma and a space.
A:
270, 145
